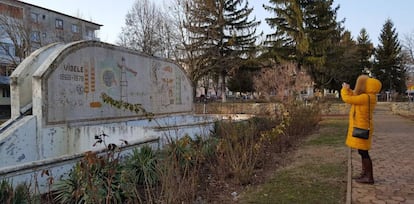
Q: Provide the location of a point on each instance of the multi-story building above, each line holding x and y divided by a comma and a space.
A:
26, 27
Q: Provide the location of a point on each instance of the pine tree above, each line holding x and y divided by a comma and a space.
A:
324, 35
365, 50
241, 81
289, 41
307, 33
346, 67
221, 34
388, 67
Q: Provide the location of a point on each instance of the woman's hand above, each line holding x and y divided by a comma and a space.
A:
345, 85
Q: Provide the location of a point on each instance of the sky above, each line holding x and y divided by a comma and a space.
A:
358, 14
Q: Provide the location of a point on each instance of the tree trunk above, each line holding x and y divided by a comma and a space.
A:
223, 87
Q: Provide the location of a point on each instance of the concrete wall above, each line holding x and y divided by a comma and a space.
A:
264, 108
68, 89
238, 108
403, 108
18, 144
328, 109
21, 79
24, 156
63, 85
33, 173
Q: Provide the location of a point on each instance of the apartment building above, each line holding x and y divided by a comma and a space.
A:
26, 27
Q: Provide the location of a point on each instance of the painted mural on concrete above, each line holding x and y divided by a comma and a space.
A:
63, 85
80, 77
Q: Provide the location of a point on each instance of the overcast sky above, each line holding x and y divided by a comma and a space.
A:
368, 14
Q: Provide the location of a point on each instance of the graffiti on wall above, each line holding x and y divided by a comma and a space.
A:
77, 84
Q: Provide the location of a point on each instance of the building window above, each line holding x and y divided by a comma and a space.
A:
59, 24
35, 36
6, 92
34, 17
75, 28
90, 34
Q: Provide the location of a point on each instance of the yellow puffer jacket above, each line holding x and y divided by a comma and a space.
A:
359, 107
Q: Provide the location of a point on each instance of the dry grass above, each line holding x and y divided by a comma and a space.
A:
317, 173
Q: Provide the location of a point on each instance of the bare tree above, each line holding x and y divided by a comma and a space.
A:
282, 81
178, 16
148, 29
408, 47
15, 35
183, 55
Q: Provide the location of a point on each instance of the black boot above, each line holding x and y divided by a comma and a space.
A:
362, 174
368, 178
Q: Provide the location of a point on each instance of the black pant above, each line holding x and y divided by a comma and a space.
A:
364, 154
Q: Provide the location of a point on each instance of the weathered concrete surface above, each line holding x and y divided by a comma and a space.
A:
34, 173
393, 161
21, 79
63, 84
403, 108
238, 108
18, 143
68, 87
264, 108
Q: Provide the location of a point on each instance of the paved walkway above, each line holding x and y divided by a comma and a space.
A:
392, 154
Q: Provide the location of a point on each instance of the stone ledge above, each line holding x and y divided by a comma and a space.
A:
403, 108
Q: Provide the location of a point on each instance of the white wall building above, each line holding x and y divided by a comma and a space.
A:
40, 26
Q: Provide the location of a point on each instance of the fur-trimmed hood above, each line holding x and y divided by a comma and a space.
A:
372, 86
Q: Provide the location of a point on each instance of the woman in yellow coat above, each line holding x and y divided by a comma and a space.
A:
363, 100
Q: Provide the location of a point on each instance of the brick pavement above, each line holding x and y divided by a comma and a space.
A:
392, 154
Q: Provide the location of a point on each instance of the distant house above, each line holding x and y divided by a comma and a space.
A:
26, 27
410, 78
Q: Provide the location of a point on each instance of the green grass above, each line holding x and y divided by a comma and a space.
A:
314, 178
332, 132
304, 185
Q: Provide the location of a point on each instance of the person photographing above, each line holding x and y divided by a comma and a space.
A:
360, 128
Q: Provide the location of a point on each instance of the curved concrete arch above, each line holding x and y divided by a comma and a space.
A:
21, 79
68, 87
